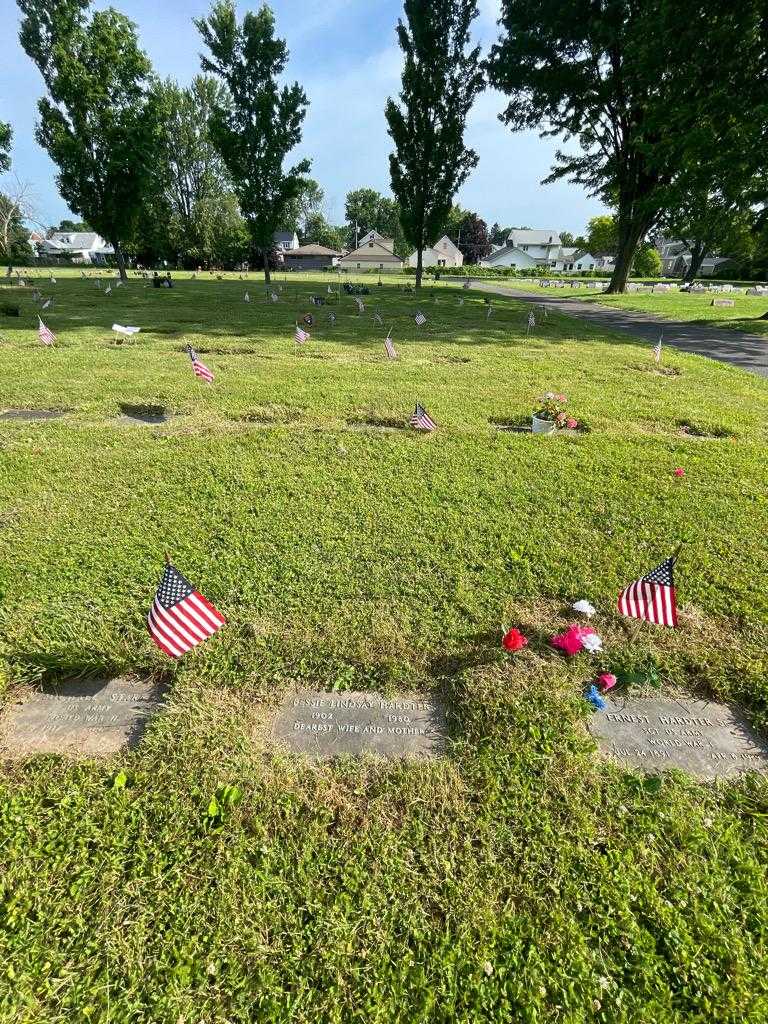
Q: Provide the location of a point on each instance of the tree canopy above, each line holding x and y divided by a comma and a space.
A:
260, 122
99, 120
441, 78
6, 135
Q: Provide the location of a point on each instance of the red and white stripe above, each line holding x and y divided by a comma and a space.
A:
300, 336
183, 626
652, 602
44, 334
202, 371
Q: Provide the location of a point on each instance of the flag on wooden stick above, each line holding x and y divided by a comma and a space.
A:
421, 419
488, 313
390, 348
531, 322
657, 348
200, 369
181, 618
377, 317
46, 336
301, 335
652, 597
420, 319
246, 297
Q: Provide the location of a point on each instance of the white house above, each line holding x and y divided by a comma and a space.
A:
442, 254
510, 256
79, 246
571, 258
527, 249
285, 240
605, 261
373, 252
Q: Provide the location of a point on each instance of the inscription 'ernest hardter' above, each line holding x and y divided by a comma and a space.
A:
327, 725
706, 739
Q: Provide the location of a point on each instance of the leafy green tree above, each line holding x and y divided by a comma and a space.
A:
308, 203
71, 225
318, 231
603, 234
647, 262
709, 224
643, 113
99, 121
440, 80
6, 135
260, 123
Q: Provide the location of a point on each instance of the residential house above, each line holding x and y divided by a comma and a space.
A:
285, 240
605, 261
78, 246
374, 252
573, 259
676, 259
310, 257
527, 250
442, 254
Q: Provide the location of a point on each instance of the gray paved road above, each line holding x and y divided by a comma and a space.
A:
747, 351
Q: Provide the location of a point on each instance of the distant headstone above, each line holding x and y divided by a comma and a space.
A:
326, 725
723, 302
709, 740
31, 414
90, 718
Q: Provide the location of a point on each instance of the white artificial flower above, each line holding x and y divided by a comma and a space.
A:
585, 607
592, 642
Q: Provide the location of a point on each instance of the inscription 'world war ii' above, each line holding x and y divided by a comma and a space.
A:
85, 718
706, 739
328, 725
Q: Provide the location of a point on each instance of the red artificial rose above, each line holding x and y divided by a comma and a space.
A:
514, 640
679, 471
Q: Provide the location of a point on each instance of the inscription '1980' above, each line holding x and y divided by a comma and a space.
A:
328, 725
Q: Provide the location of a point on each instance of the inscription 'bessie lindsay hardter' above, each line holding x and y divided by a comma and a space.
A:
328, 725
706, 739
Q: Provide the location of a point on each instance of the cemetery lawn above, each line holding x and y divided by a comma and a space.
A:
519, 879
746, 315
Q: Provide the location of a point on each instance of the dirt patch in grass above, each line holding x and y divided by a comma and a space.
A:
146, 415
270, 415
705, 431
658, 371
32, 414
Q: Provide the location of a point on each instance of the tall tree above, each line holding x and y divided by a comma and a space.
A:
308, 203
642, 112
6, 135
709, 224
440, 80
603, 234
261, 122
99, 120
473, 240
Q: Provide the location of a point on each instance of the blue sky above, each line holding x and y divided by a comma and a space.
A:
345, 54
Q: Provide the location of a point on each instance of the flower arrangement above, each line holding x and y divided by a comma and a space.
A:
552, 409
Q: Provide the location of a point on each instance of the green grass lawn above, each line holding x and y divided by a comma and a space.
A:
519, 879
746, 315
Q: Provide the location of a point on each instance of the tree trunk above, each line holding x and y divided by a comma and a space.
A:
120, 260
631, 230
698, 252
419, 266
267, 277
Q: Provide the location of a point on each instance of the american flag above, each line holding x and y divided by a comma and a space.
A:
44, 334
330, 290
246, 297
200, 369
332, 319
652, 597
461, 300
420, 319
273, 296
490, 310
301, 336
531, 321
47, 303
421, 419
391, 353
360, 305
180, 618
377, 317
657, 348
108, 290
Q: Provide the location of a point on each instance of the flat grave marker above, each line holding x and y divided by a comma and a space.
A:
84, 718
325, 725
706, 739
31, 414
723, 302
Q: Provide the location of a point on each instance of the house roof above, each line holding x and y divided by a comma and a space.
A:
524, 236
313, 250
494, 256
283, 236
74, 239
366, 248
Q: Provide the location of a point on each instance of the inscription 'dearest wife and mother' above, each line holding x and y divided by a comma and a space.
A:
327, 725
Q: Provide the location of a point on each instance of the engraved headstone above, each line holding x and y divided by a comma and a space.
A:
87, 717
325, 725
709, 740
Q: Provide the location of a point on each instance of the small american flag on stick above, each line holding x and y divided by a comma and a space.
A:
652, 597
180, 618
200, 369
301, 335
390, 348
489, 311
45, 334
657, 348
273, 296
377, 317
420, 319
421, 419
246, 297
531, 322
332, 319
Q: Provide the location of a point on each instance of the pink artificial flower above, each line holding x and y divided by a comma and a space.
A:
513, 640
679, 471
561, 398
606, 680
560, 419
572, 641
571, 423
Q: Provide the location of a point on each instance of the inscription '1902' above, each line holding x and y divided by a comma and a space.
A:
328, 725
706, 739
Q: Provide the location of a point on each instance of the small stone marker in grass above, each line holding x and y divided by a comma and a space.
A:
723, 302
83, 718
31, 414
708, 740
325, 725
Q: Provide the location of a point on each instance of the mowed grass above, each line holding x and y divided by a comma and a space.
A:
519, 879
748, 313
